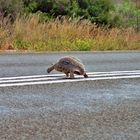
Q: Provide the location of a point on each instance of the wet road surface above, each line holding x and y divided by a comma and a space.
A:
107, 109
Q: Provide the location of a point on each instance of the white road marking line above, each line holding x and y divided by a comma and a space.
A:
56, 78
59, 75
69, 80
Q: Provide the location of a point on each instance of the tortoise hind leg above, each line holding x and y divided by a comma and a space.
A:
67, 75
50, 69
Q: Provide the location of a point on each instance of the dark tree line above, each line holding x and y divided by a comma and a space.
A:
97, 11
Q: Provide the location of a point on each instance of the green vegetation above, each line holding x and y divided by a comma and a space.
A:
69, 25
129, 14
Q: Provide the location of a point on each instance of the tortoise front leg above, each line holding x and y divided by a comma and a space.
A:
71, 75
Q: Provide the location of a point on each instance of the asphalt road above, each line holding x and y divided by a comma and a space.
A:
32, 64
106, 109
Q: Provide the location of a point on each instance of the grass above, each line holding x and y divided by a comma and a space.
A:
28, 33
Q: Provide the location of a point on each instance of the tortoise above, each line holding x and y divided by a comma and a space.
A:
70, 66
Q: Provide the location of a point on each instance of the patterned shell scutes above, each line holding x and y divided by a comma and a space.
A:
71, 63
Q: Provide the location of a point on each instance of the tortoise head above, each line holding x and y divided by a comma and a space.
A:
85, 75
